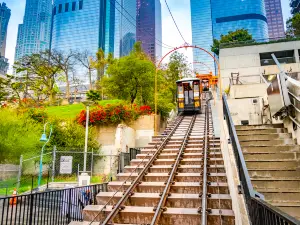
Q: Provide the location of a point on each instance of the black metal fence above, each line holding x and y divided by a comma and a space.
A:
57, 207
126, 157
259, 211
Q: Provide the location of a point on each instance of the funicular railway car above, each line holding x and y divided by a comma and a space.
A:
188, 95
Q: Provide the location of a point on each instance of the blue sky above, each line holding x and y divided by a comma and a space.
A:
180, 10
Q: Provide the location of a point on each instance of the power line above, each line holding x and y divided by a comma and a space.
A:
160, 42
175, 22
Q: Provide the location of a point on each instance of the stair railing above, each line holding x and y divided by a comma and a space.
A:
259, 211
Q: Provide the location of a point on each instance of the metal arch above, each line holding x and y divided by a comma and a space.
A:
159, 64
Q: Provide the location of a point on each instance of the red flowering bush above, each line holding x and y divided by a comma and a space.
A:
113, 114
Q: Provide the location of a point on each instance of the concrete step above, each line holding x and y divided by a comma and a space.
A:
272, 157
180, 177
181, 169
275, 184
185, 155
281, 142
178, 187
271, 149
261, 131
275, 165
215, 201
172, 216
278, 174
282, 196
264, 137
253, 127
191, 161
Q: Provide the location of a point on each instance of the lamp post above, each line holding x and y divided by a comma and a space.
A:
84, 178
46, 140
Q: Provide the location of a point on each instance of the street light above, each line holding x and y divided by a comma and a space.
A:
46, 140
84, 178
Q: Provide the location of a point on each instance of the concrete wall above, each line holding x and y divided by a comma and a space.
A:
246, 61
8, 171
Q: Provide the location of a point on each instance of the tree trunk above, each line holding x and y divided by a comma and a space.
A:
68, 86
90, 78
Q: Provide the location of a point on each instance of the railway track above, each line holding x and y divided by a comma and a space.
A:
179, 179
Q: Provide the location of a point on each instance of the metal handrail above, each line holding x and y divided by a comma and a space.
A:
259, 211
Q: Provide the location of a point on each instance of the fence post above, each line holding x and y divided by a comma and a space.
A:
92, 162
53, 162
19, 173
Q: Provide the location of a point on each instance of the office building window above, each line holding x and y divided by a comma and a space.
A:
67, 7
54, 10
80, 5
59, 8
73, 6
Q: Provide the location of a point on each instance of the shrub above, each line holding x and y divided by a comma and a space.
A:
38, 115
93, 95
113, 114
19, 134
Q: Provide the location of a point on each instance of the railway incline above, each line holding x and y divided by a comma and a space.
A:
179, 179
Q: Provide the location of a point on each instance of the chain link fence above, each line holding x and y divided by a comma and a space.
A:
63, 166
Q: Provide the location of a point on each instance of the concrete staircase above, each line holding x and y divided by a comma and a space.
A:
273, 162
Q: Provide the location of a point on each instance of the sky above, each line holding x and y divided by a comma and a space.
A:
180, 10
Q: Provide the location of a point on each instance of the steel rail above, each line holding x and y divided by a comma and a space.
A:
160, 207
204, 180
120, 188
136, 182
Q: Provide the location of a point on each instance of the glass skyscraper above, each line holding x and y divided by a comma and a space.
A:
149, 27
4, 19
275, 18
34, 33
213, 18
120, 27
87, 25
295, 4
78, 25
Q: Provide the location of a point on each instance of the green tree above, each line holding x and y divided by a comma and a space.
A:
66, 63
131, 76
239, 35
293, 26
93, 95
3, 89
177, 68
85, 59
40, 72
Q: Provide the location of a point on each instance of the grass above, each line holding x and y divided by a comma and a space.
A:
26, 183
71, 111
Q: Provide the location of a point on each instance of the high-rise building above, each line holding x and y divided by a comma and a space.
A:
275, 18
78, 25
213, 18
295, 4
34, 33
120, 30
92, 24
4, 19
149, 27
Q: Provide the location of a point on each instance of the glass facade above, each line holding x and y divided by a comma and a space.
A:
213, 18
275, 19
78, 25
122, 26
236, 14
34, 33
202, 34
149, 27
295, 4
5, 16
